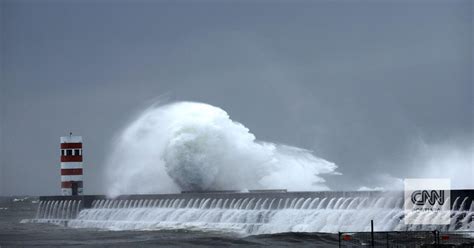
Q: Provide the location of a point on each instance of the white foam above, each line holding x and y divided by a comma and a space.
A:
260, 215
196, 146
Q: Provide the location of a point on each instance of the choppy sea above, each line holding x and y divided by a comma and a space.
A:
14, 233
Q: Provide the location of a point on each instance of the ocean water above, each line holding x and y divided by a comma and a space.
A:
14, 233
251, 221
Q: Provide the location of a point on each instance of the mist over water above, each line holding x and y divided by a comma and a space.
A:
196, 146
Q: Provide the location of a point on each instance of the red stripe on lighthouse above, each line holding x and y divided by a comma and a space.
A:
77, 158
71, 145
68, 184
67, 172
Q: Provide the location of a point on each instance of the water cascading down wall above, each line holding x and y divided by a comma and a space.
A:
256, 212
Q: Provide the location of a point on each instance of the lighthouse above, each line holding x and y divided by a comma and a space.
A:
71, 165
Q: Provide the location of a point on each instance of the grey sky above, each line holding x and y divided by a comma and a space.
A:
358, 82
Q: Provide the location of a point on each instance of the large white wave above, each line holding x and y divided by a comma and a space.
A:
196, 146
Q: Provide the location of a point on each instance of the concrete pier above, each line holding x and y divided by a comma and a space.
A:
86, 200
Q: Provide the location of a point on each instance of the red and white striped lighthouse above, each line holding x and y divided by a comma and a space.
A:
71, 165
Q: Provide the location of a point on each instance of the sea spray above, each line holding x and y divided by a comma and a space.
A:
196, 146
251, 214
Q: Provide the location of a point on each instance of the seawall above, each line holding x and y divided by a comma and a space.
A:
87, 200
